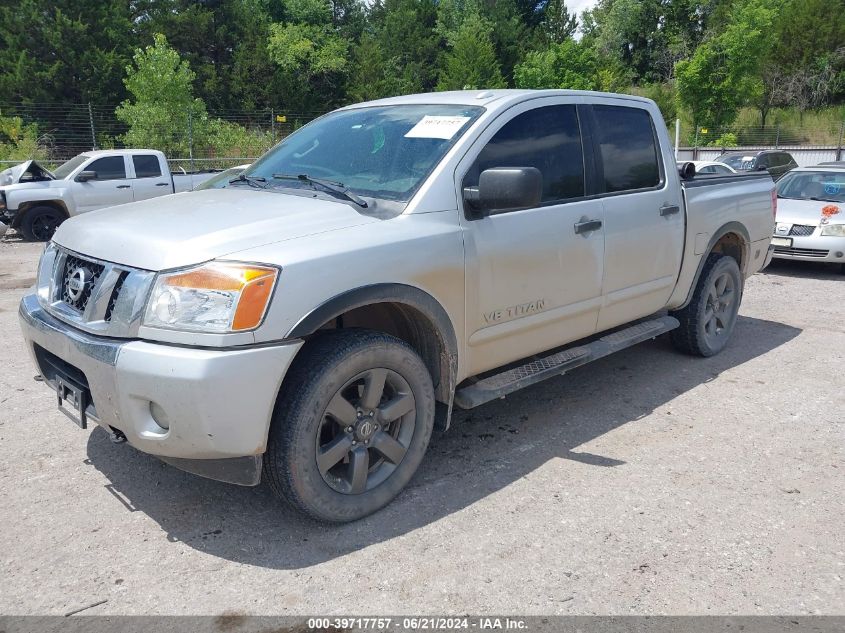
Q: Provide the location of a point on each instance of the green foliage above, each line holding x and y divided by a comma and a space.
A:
164, 107
228, 140
307, 49
19, 141
399, 53
471, 61
558, 23
723, 73
568, 64
700, 60
728, 139
663, 94
63, 50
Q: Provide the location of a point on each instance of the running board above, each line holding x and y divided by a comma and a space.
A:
532, 372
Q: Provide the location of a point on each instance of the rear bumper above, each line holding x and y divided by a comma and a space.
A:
217, 403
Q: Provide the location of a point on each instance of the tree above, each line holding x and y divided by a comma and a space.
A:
724, 72
569, 65
558, 23
310, 53
399, 52
63, 51
19, 140
471, 61
164, 109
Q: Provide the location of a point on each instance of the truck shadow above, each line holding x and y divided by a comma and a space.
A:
486, 449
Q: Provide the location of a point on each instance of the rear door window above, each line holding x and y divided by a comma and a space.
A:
146, 166
108, 168
548, 138
627, 147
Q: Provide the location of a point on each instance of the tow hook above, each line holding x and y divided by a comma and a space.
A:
116, 435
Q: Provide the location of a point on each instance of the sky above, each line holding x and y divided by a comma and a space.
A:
576, 6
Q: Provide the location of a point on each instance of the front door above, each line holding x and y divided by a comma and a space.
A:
111, 186
533, 282
643, 213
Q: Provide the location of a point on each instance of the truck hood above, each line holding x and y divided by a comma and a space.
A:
189, 228
807, 212
13, 175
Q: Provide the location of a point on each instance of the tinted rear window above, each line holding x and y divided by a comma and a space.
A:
146, 166
628, 148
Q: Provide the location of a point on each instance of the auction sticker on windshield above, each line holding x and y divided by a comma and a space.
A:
432, 126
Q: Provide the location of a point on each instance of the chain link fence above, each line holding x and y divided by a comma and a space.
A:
54, 133
809, 145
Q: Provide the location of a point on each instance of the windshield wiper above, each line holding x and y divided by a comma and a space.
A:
335, 187
822, 199
252, 181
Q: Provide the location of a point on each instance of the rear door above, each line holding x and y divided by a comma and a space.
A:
643, 214
151, 178
532, 281
111, 186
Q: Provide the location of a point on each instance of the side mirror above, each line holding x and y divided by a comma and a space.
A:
506, 189
85, 176
686, 170
762, 168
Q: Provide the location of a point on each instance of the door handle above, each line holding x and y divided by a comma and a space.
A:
669, 209
162, 184
123, 186
585, 226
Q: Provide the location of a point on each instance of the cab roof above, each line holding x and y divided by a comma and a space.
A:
496, 98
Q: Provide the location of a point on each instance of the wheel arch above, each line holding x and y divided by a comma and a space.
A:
25, 207
731, 239
401, 310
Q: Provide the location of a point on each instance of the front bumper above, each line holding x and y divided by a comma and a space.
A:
813, 248
218, 402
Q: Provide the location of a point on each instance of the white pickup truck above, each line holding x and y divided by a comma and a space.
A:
314, 333
35, 200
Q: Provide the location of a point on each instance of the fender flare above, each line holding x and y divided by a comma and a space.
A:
729, 227
25, 206
404, 294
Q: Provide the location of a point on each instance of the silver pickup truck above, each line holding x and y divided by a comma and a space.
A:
35, 201
316, 332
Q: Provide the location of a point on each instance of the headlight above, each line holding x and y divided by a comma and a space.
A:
216, 297
836, 230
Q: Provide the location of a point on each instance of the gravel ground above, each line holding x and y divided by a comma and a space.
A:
646, 483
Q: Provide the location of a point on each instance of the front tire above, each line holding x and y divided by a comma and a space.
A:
39, 223
708, 321
351, 425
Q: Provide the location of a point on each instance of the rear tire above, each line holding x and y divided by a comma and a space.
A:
39, 223
351, 425
708, 321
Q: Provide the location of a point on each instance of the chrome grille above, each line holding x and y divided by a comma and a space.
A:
79, 278
802, 230
118, 286
104, 298
801, 252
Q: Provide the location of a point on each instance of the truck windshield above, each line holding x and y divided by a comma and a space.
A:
381, 151
65, 169
828, 186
